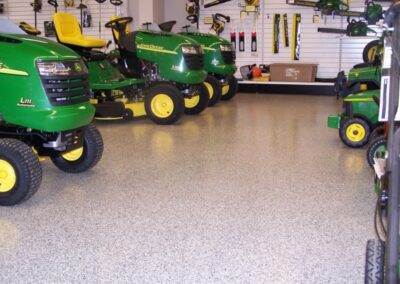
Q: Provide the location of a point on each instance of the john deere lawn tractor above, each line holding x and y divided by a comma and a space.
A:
44, 110
114, 95
219, 62
359, 119
157, 56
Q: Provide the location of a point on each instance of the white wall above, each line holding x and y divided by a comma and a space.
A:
176, 10
321, 48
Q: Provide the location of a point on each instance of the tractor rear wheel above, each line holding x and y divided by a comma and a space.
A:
374, 262
164, 103
370, 52
199, 102
376, 145
229, 90
20, 172
214, 88
85, 157
354, 132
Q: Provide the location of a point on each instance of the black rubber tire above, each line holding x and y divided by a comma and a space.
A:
216, 90
128, 114
27, 170
352, 121
92, 153
174, 94
374, 262
374, 145
378, 131
202, 104
233, 88
367, 48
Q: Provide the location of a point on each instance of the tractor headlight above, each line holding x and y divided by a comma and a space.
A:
190, 49
60, 68
226, 47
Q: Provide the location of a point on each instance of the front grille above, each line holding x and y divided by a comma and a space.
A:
229, 57
66, 90
194, 61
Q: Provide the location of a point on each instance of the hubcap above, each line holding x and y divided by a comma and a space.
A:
192, 102
73, 155
8, 177
225, 89
355, 132
162, 105
209, 89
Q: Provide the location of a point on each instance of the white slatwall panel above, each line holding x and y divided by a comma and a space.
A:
332, 52
20, 10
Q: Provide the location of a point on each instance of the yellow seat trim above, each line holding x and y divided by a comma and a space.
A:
69, 32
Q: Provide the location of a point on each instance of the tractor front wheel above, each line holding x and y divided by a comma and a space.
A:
229, 90
371, 51
198, 102
85, 157
164, 103
354, 132
214, 88
374, 262
20, 172
376, 145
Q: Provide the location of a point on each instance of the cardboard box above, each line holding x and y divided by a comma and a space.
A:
293, 72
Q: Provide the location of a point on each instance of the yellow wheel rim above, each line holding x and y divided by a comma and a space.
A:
192, 102
73, 155
162, 105
8, 177
372, 53
210, 89
225, 89
355, 132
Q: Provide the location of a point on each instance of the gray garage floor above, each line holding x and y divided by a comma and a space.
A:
256, 190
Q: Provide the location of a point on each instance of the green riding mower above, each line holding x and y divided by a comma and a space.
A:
157, 56
219, 62
359, 119
113, 95
44, 111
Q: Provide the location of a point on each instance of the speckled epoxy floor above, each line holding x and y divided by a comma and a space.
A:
256, 190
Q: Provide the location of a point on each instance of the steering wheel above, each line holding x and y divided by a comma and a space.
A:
100, 1
116, 2
119, 21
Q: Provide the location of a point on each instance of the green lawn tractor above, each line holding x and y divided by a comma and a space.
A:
359, 119
219, 62
157, 56
114, 95
44, 110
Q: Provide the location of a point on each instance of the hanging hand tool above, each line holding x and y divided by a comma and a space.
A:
37, 8
275, 34
214, 3
285, 31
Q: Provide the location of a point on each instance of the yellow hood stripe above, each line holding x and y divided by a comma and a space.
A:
13, 72
156, 50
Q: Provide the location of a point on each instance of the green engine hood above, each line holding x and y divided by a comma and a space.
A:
165, 49
213, 59
23, 100
365, 74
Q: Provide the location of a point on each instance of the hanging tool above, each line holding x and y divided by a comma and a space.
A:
354, 28
86, 16
193, 9
218, 24
53, 3
275, 33
69, 3
285, 31
100, 14
214, 3
254, 34
296, 37
118, 4
233, 38
37, 8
